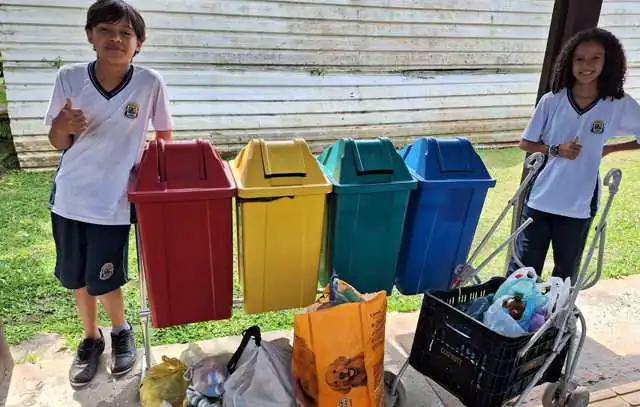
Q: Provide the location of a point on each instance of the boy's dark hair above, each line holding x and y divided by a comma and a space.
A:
112, 11
610, 81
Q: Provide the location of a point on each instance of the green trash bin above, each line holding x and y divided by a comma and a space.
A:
366, 212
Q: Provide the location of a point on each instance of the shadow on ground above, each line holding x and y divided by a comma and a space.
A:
598, 368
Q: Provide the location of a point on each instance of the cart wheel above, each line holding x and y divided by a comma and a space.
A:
579, 398
550, 396
393, 400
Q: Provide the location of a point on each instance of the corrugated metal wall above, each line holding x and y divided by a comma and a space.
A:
238, 69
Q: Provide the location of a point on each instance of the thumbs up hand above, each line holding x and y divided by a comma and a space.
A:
69, 120
570, 150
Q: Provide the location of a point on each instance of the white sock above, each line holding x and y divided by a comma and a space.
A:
115, 330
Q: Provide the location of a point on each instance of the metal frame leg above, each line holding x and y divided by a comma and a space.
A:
534, 164
466, 272
401, 373
566, 386
396, 399
145, 360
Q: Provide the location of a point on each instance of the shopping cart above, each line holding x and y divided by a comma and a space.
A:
485, 369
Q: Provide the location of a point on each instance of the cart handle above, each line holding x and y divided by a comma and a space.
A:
613, 179
584, 280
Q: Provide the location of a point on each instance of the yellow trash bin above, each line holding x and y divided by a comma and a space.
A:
280, 209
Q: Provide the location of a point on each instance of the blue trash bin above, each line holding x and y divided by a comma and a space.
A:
443, 212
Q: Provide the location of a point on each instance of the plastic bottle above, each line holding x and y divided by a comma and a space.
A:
515, 306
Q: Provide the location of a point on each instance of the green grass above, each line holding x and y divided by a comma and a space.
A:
32, 301
3, 93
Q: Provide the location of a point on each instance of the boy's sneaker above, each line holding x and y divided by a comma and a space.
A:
123, 352
85, 365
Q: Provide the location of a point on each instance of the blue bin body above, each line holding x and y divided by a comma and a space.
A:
443, 212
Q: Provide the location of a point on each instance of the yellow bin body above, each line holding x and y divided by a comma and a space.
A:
280, 207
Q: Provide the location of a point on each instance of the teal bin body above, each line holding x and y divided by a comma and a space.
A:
366, 212
443, 212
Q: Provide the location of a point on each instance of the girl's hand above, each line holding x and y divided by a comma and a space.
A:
570, 150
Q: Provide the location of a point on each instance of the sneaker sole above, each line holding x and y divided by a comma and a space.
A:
79, 386
122, 373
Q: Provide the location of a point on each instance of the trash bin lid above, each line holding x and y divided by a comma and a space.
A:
440, 159
265, 169
371, 165
178, 171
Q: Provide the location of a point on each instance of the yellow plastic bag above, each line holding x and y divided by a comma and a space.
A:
164, 382
338, 352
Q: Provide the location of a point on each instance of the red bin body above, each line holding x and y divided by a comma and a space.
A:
183, 192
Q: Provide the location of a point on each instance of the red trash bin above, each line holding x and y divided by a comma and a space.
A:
182, 192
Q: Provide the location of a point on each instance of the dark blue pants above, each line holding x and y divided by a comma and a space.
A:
566, 235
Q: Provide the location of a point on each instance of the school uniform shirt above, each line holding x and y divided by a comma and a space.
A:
572, 187
91, 182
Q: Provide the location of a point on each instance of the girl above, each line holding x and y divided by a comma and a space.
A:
571, 124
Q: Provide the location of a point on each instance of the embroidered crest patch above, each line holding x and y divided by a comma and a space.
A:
106, 272
131, 110
597, 127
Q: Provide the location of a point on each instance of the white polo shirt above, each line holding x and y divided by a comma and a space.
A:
90, 184
565, 187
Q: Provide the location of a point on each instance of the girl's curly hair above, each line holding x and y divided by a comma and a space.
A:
610, 81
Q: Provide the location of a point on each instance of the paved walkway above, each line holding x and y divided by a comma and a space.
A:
620, 396
609, 366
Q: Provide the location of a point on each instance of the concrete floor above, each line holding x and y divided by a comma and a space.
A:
610, 360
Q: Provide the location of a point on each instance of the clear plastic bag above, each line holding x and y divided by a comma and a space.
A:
208, 375
498, 319
524, 283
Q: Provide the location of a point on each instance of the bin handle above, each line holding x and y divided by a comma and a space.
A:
162, 173
161, 160
202, 168
265, 199
286, 175
359, 165
375, 172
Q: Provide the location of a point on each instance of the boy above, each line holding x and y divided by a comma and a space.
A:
99, 115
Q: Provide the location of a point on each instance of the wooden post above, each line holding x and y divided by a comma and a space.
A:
6, 368
569, 17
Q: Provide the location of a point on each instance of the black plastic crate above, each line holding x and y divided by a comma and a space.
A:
474, 363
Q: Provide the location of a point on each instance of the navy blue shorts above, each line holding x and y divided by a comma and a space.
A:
567, 237
89, 255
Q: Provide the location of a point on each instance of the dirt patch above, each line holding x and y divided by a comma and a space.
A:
8, 156
40, 347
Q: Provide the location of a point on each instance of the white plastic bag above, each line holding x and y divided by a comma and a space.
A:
260, 374
558, 294
498, 319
